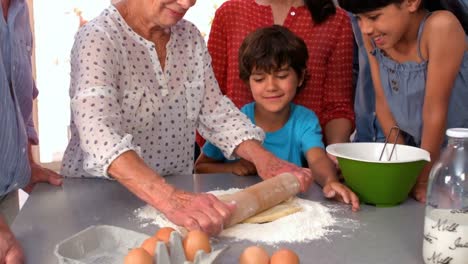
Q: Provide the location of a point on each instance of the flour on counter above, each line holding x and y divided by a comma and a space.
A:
314, 221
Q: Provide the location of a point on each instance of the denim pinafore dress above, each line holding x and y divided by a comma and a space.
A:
404, 85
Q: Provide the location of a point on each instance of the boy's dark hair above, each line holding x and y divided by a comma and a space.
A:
269, 49
363, 6
320, 10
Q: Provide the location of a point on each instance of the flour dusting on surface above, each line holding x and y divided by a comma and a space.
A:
314, 221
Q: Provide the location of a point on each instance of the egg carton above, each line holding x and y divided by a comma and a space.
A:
173, 253
106, 244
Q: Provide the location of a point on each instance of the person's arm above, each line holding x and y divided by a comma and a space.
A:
212, 160
324, 172
382, 110
40, 174
338, 114
445, 42
205, 164
322, 168
10, 249
338, 130
268, 165
190, 210
27, 108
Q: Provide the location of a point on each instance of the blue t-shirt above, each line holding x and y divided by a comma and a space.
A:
300, 133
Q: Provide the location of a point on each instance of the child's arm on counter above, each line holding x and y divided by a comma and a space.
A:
324, 172
242, 167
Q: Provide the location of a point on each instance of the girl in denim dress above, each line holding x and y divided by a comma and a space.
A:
419, 67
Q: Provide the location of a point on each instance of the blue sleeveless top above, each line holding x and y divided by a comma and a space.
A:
404, 85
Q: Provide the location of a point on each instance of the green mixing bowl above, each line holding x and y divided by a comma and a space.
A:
382, 183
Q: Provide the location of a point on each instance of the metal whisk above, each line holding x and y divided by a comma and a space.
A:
397, 129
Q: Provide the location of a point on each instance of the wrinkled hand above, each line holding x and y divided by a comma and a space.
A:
275, 166
10, 249
340, 192
197, 211
41, 174
243, 167
419, 192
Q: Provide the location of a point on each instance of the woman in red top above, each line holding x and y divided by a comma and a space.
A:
327, 33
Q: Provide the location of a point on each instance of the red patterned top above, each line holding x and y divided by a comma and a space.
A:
328, 92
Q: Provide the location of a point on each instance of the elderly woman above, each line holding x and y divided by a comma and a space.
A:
141, 84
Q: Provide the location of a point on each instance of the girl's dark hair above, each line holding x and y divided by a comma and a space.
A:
320, 10
269, 49
363, 6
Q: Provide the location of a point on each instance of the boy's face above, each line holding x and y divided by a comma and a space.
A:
387, 26
274, 91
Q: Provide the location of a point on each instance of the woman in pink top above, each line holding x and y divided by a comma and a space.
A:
327, 33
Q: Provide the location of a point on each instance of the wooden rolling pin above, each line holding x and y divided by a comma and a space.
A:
262, 196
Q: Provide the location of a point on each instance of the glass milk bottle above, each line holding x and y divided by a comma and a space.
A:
446, 222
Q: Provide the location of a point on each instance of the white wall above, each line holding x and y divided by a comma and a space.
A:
202, 13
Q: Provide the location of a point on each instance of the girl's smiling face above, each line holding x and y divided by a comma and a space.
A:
387, 26
273, 91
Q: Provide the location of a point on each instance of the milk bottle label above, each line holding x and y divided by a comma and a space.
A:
446, 237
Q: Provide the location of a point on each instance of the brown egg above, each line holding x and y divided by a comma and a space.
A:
284, 256
254, 255
194, 241
138, 256
164, 234
150, 245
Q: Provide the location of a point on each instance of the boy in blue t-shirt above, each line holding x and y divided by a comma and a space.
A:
272, 61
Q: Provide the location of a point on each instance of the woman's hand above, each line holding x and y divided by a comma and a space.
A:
340, 192
190, 210
41, 174
271, 166
197, 211
268, 165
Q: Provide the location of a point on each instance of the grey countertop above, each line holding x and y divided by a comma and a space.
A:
51, 214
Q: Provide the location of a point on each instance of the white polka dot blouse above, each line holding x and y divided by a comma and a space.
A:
122, 99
